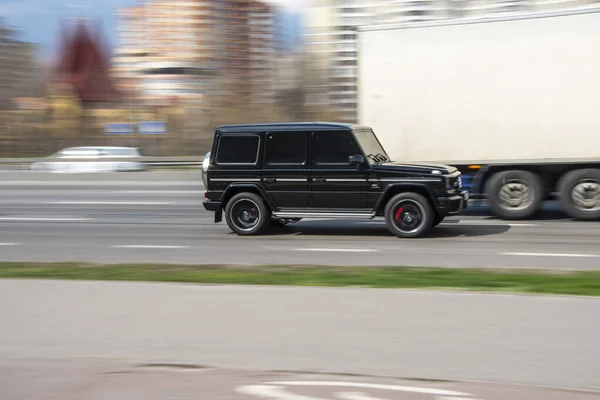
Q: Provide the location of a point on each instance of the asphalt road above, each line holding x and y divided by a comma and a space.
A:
158, 217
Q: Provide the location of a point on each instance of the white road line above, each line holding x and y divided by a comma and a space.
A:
44, 219
550, 255
10, 244
356, 396
272, 392
160, 191
112, 203
338, 250
487, 223
148, 246
394, 388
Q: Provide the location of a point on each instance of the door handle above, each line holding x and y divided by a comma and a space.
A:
269, 180
318, 179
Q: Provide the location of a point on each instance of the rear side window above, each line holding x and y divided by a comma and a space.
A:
285, 148
238, 149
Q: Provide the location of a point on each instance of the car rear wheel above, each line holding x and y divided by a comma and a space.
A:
409, 215
247, 214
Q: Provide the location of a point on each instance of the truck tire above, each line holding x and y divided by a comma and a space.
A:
247, 214
409, 215
580, 194
515, 194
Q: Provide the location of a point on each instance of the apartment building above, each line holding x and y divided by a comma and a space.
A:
18, 68
331, 34
185, 48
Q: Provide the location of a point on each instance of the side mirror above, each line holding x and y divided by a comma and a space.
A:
356, 160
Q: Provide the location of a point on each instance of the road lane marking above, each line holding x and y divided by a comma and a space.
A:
550, 255
148, 246
44, 219
377, 386
159, 191
276, 390
10, 244
487, 223
112, 203
337, 250
273, 392
356, 396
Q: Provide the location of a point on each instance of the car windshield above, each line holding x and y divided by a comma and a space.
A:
371, 146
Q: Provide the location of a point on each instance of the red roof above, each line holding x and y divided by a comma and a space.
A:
84, 64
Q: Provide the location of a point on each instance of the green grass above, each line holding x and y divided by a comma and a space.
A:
532, 281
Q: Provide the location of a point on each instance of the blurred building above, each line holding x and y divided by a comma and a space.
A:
332, 25
193, 48
18, 68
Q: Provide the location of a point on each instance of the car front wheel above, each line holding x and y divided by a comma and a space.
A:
247, 214
409, 215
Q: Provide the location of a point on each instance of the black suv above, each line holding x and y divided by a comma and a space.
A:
275, 174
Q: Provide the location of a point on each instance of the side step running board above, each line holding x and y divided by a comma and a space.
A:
300, 214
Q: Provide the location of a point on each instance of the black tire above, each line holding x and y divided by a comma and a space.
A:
247, 214
437, 220
409, 215
580, 194
515, 194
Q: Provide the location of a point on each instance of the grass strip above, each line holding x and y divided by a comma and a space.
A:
586, 283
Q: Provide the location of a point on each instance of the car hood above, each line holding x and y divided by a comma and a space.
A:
414, 167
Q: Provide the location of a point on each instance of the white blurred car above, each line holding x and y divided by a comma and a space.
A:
92, 159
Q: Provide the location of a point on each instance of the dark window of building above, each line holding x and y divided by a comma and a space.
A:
334, 147
238, 149
286, 148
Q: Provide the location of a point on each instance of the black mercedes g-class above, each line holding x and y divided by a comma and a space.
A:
274, 174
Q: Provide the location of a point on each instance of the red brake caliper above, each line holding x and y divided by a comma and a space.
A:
398, 213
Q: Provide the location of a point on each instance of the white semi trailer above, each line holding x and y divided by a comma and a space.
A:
512, 102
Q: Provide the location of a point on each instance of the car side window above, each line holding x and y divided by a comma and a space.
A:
238, 149
334, 148
286, 148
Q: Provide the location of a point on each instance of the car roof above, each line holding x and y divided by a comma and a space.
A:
288, 126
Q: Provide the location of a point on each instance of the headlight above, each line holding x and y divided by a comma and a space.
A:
454, 184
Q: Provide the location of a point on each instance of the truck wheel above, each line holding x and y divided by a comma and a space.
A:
247, 214
580, 194
409, 215
515, 194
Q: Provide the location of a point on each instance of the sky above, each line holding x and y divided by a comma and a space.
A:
38, 20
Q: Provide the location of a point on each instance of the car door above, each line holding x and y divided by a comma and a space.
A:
334, 182
285, 168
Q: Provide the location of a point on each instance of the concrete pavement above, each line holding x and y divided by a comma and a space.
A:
533, 340
103, 380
